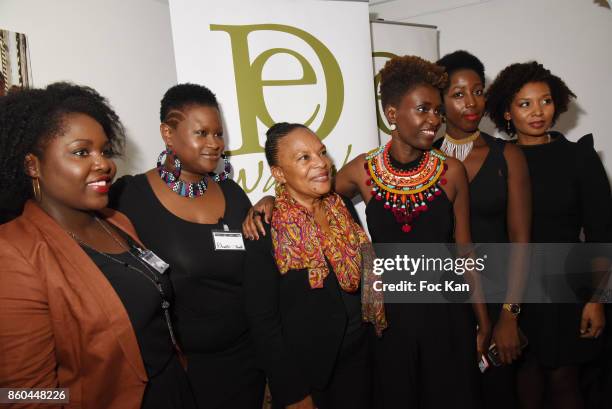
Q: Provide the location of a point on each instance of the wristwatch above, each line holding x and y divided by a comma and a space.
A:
514, 309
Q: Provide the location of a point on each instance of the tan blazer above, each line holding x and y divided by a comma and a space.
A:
61, 322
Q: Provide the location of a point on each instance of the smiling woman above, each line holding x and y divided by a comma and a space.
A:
416, 194
304, 302
189, 215
79, 307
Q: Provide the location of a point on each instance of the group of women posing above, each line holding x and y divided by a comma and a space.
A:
142, 294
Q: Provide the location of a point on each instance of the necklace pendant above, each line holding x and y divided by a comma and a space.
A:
165, 305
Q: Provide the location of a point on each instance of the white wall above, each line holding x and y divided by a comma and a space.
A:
122, 48
570, 37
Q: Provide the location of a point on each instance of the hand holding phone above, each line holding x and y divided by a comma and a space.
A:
492, 357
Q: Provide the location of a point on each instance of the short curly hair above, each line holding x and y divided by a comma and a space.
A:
402, 74
30, 118
182, 95
510, 81
462, 60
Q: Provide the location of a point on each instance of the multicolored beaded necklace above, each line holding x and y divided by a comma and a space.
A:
405, 191
190, 189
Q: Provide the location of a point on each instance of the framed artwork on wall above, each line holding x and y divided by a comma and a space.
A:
15, 68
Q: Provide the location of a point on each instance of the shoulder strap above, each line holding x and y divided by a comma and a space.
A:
497, 146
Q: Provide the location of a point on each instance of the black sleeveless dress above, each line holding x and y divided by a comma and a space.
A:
426, 358
209, 305
488, 224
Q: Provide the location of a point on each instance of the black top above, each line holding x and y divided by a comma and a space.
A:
489, 194
168, 386
488, 215
299, 331
209, 310
570, 191
208, 283
436, 225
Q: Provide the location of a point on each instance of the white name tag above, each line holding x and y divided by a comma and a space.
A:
228, 240
153, 260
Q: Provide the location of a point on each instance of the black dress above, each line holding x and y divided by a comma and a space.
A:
309, 341
426, 357
488, 224
571, 193
209, 309
168, 386
489, 194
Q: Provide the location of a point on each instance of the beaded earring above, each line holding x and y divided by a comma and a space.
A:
165, 174
227, 169
188, 189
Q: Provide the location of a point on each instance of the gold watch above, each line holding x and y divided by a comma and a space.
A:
514, 309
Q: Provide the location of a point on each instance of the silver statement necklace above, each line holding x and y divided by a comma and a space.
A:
459, 148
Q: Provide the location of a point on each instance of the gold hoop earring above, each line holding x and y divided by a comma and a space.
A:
36, 190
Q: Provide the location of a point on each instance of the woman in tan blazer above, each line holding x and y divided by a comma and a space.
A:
83, 305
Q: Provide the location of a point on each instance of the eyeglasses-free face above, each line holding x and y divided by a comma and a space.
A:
303, 165
76, 167
532, 110
464, 103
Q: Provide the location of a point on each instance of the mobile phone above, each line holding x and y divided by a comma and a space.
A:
483, 364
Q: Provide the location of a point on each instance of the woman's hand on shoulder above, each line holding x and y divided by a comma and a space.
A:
260, 212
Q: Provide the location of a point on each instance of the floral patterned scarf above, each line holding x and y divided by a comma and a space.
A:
298, 243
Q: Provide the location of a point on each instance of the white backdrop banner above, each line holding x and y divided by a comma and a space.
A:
274, 61
390, 39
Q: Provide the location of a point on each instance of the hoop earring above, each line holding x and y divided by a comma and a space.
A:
508, 127
227, 169
36, 190
392, 127
170, 176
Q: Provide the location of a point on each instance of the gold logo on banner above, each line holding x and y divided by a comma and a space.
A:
250, 84
382, 125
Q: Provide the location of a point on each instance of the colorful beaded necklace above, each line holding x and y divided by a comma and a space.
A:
190, 189
405, 191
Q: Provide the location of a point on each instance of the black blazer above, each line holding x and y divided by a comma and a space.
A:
298, 331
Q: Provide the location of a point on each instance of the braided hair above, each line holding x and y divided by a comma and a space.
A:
273, 136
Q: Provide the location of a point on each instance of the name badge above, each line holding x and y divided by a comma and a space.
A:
153, 260
228, 240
